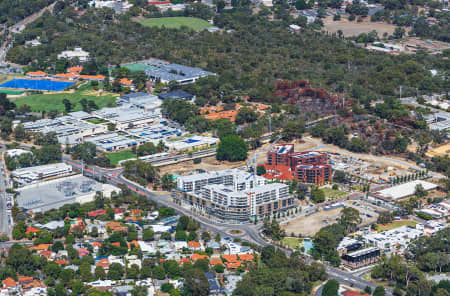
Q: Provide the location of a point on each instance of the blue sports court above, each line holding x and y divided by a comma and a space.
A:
48, 85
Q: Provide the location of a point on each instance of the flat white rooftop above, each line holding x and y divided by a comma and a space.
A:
404, 190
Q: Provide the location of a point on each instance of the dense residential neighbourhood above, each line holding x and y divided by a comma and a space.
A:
246, 148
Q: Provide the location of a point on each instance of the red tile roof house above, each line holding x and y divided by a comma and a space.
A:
47, 254
96, 213
196, 257
83, 252
183, 260
32, 230
194, 245
61, 262
24, 280
118, 210
103, 263
9, 283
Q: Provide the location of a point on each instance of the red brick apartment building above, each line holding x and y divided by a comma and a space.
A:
307, 167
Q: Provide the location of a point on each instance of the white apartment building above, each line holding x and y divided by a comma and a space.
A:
238, 179
78, 52
397, 240
233, 195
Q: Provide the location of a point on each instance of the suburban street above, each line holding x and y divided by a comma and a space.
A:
5, 224
249, 232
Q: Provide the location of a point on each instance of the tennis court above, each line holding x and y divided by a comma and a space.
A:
137, 67
48, 85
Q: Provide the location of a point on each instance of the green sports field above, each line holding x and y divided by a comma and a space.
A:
394, 225
193, 23
115, 157
39, 103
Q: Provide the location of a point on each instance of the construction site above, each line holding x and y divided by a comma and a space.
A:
312, 221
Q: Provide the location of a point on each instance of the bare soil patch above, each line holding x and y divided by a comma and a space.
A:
354, 28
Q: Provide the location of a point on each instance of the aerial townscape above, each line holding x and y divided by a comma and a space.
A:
225, 147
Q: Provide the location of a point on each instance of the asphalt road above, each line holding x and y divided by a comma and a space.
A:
249, 233
4, 213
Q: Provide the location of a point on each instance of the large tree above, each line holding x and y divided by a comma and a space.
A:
331, 288
232, 148
350, 218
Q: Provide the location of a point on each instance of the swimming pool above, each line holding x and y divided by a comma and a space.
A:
48, 85
307, 244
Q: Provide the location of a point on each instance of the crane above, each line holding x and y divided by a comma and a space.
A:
255, 156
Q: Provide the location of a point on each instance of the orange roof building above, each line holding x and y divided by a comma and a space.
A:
32, 230
41, 247
215, 262
25, 280
103, 263
66, 75
74, 69
183, 260
233, 265
194, 244
47, 254
230, 258
136, 212
229, 114
115, 226
117, 244
61, 261
246, 257
97, 244
133, 243
195, 257
126, 81
37, 74
9, 282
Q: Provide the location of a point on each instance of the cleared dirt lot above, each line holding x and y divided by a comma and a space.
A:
354, 28
309, 226
208, 164
439, 151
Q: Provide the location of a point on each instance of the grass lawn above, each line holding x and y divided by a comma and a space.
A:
333, 194
11, 92
41, 102
115, 157
97, 120
193, 23
292, 242
395, 224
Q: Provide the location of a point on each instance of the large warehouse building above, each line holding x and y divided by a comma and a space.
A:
403, 190
53, 194
36, 174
